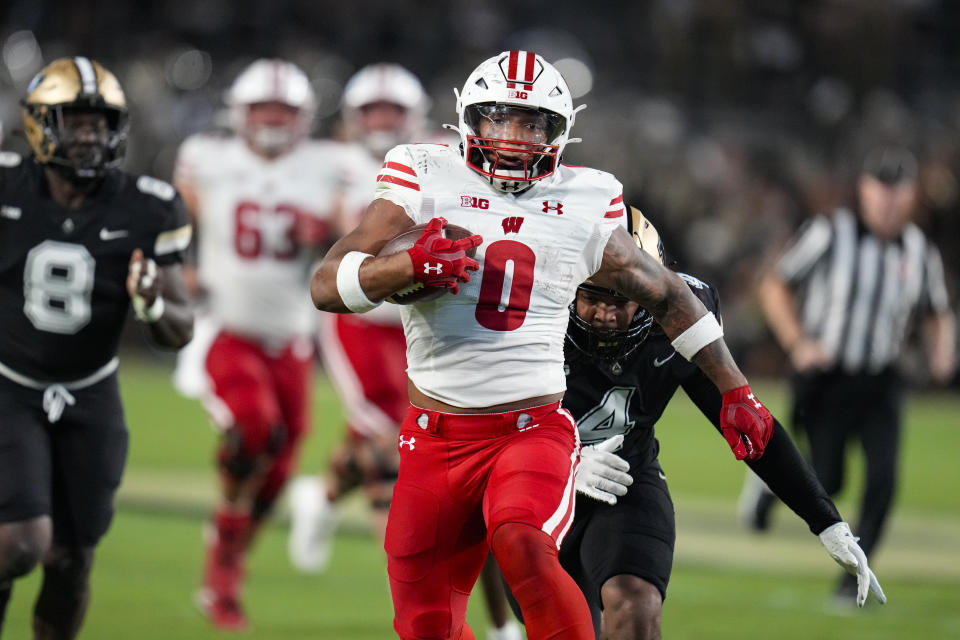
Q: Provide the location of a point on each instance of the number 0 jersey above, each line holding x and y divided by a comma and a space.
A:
630, 397
63, 296
500, 339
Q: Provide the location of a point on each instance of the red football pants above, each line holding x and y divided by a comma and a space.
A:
367, 363
461, 477
262, 392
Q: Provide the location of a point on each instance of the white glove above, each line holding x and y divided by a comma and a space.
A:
842, 547
601, 474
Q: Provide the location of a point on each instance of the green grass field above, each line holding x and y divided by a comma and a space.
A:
726, 583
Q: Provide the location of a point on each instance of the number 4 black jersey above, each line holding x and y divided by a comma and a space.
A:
629, 397
63, 296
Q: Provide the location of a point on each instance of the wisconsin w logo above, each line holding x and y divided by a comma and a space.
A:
512, 225
558, 207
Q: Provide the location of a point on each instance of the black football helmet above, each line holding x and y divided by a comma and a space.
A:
612, 346
75, 84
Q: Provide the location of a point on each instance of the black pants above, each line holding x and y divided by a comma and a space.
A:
831, 409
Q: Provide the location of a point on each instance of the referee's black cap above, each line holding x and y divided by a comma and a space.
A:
891, 165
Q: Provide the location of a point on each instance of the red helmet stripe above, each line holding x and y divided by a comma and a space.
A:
512, 69
528, 70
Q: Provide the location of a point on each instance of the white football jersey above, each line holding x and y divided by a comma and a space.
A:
500, 339
255, 272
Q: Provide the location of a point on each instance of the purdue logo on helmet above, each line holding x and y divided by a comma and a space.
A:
75, 85
613, 345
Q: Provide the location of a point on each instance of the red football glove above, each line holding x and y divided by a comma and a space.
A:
439, 261
745, 422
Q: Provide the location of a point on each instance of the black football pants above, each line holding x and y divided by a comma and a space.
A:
831, 409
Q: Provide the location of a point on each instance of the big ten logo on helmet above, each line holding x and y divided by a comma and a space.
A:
519, 95
474, 202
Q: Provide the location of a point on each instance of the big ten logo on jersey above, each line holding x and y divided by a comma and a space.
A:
272, 231
474, 202
608, 418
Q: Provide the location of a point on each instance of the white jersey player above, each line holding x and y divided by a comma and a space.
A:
252, 214
539, 245
384, 105
263, 201
487, 456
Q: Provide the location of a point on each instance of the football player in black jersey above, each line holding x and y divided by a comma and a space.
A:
80, 242
621, 373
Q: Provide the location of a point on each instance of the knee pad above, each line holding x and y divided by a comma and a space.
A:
427, 625
241, 449
522, 548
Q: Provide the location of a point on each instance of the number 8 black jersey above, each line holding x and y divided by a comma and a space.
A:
629, 396
63, 296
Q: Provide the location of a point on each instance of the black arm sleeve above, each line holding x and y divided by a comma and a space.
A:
781, 466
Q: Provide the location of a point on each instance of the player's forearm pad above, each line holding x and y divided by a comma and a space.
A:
697, 336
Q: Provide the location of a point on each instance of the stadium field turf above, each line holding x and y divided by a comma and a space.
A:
727, 583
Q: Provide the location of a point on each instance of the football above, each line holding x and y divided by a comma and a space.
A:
417, 292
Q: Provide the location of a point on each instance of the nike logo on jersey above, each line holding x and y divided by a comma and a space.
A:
658, 362
6, 211
107, 235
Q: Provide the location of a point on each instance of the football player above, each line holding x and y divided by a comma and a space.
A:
487, 455
384, 105
621, 373
80, 242
263, 200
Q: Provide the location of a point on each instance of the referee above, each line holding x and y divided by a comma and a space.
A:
840, 301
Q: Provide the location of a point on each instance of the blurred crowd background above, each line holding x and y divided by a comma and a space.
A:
729, 122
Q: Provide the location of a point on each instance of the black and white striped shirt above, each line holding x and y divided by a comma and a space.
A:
859, 292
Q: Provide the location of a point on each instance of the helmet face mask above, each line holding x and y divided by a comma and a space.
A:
512, 145
524, 87
75, 118
271, 105
606, 344
612, 345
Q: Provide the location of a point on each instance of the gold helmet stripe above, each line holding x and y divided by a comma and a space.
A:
88, 76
